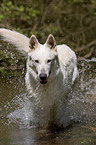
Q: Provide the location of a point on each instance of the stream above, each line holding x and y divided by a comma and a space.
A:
15, 112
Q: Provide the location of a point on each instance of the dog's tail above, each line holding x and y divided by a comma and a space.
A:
20, 41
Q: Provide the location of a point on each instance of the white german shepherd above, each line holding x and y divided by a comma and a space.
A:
50, 77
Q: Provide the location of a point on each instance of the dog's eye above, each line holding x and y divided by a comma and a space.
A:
37, 61
49, 60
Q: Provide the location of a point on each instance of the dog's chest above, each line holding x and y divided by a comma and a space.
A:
48, 96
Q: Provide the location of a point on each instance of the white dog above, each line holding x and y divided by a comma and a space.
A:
50, 77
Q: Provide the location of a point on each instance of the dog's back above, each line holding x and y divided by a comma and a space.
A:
68, 62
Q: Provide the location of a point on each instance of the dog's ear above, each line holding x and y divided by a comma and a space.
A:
33, 42
51, 42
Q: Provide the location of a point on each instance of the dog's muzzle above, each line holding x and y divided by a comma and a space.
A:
43, 78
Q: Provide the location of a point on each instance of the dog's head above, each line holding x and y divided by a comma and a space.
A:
42, 59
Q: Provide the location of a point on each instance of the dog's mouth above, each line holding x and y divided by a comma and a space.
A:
43, 78
43, 81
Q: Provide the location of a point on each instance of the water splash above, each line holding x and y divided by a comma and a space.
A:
23, 115
82, 105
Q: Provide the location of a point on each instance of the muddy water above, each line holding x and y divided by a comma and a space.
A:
15, 113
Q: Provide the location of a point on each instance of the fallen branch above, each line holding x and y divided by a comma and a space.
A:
91, 128
86, 46
89, 54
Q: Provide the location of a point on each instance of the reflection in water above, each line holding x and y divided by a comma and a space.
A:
16, 114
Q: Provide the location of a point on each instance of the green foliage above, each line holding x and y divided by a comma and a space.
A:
83, 143
16, 14
6, 10
58, 18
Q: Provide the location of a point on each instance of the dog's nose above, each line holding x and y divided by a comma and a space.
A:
43, 76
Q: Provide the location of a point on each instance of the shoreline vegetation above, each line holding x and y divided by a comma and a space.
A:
72, 22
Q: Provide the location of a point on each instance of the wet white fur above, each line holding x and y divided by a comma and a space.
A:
49, 101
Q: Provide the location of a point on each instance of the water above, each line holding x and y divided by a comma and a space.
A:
16, 127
